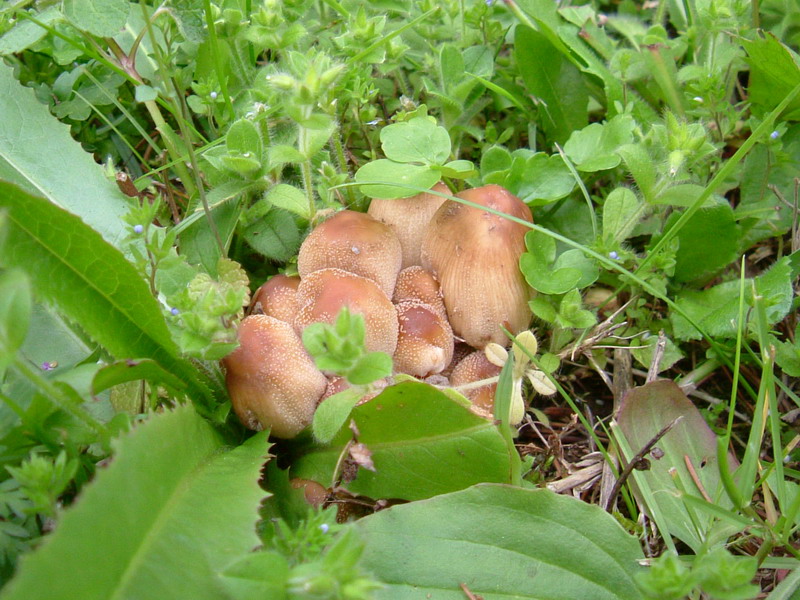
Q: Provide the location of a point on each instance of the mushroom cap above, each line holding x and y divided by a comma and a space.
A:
425, 341
277, 297
472, 368
409, 217
354, 242
415, 283
271, 379
475, 255
322, 294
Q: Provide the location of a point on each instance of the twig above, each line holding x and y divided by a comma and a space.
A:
636, 459
658, 356
696, 478
469, 594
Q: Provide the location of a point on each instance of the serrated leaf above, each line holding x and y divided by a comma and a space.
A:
70, 265
169, 512
423, 443
103, 18
482, 538
411, 179
643, 413
418, 140
38, 154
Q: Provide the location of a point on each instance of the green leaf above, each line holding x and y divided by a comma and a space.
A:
244, 140
696, 259
38, 154
622, 211
289, 198
70, 265
198, 242
332, 414
774, 72
15, 313
549, 275
644, 412
422, 442
595, 148
540, 179
257, 576
370, 367
144, 93
172, 509
500, 542
418, 140
554, 80
135, 370
459, 169
275, 235
411, 179
103, 18
25, 33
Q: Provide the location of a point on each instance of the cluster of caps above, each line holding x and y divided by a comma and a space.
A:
435, 280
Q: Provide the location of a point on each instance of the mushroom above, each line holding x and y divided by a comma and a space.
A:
415, 283
425, 341
272, 381
322, 294
475, 256
409, 217
277, 298
354, 242
473, 368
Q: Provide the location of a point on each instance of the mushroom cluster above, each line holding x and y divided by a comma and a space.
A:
432, 278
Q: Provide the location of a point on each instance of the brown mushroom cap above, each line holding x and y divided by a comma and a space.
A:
409, 217
354, 242
415, 283
475, 367
272, 380
322, 294
475, 255
277, 298
425, 342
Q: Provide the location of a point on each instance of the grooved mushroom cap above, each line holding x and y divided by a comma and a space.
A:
425, 343
272, 380
322, 294
409, 217
415, 283
475, 255
354, 242
277, 298
475, 367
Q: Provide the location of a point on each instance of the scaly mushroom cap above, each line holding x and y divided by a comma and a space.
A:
415, 283
354, 242
277, 298
425, 343
475, 367
271, 379
409, 217
322, 294
475, 256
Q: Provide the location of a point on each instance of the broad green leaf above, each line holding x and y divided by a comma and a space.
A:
683, 194
644, 412
418, 140
370, 367
423, 443
172, 509
459, 169
500, 542
135, 370
243, 139
289, 198
15, 313
70, 265
541, 179
103, 18
774, 72
275, 235
550, 275
595, 148
197, 241
697, 259
554, 80
38, 154
257, 576
411, 179
332, 414
621, 212
25, 32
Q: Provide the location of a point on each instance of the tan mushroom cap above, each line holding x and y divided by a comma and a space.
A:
277, 298
272, 380
409, 217
354, 242
425, 342
322, 294
415, 283
475, 367
475, 256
